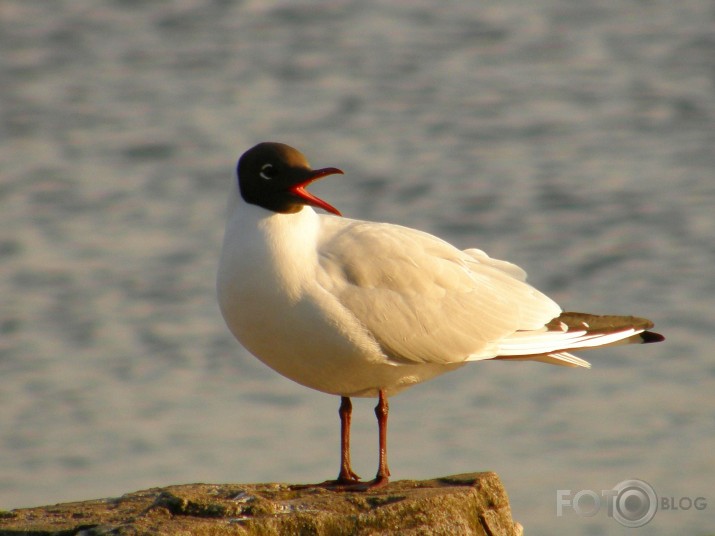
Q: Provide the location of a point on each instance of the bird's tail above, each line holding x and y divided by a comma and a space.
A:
576, 331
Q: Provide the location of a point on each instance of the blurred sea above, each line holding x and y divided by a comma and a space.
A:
573, 138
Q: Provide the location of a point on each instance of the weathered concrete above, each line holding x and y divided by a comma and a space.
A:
474, 503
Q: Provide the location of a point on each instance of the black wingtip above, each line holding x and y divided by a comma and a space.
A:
651, 336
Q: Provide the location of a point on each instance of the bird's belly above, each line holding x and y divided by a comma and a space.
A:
318, 347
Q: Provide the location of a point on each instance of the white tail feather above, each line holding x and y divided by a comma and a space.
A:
563, 359
547, 342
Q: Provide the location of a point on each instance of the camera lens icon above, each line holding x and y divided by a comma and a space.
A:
634, 503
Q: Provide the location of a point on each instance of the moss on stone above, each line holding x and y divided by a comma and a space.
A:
474, 503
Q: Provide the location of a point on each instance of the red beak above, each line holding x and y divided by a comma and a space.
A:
309, 199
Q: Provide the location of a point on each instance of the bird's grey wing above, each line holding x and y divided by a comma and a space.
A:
423, 300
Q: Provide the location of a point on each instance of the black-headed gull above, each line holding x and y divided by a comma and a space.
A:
362, 309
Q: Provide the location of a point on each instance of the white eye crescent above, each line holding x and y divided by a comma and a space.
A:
263, 174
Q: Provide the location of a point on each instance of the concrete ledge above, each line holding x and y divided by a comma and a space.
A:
474, 503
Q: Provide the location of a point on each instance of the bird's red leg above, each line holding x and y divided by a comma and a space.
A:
381, 411
346, 475
347, 480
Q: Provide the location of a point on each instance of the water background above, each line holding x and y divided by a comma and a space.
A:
573, 138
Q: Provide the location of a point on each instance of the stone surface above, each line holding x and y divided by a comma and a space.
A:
474, 503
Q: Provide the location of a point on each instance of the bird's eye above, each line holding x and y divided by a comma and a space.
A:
265, 173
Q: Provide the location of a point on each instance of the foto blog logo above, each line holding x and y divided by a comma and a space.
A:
633, 503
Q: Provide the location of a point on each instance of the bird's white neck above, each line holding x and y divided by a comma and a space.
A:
270, 249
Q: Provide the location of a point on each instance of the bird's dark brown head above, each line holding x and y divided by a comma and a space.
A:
274, 176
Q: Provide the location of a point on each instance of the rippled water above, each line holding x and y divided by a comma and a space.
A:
573, 138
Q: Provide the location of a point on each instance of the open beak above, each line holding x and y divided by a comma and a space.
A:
308, 198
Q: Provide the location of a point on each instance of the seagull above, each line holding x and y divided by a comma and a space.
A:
364, 309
